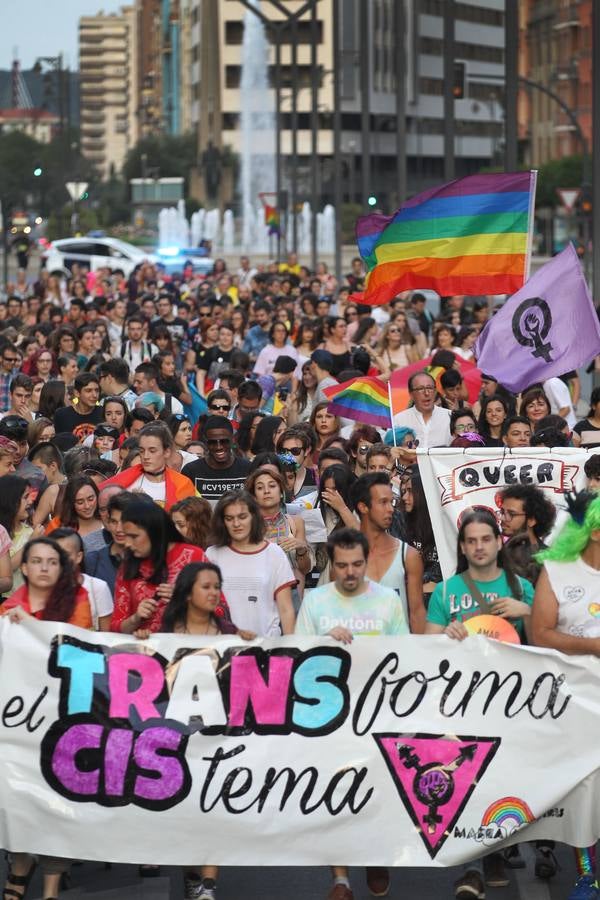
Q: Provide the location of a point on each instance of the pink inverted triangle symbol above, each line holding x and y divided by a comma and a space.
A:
435, 775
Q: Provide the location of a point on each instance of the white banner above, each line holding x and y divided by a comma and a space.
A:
456, 479
412, 751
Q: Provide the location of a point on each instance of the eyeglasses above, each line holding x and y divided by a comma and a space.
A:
295, 451
204, 315
510, 514
470, 427
423, 390
220, 407
218, 442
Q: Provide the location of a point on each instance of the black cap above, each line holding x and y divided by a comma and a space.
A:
323, 359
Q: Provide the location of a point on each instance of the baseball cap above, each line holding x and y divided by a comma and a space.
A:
323, 359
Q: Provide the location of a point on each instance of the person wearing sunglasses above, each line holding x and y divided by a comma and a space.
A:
361, 440
8, 365
219, 403
296, 442
430, 423
221, 470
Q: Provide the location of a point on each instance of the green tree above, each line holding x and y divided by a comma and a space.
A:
166, 156
558, 173
19, 156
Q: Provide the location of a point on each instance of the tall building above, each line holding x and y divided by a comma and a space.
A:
556, 53
149, 81
108, 65
479, 46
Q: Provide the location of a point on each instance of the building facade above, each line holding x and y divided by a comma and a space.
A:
108, 65
555, 52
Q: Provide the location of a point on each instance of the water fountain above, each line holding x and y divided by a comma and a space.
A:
257, 130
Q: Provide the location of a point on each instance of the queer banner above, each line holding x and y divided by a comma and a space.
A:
456, 479
409, 751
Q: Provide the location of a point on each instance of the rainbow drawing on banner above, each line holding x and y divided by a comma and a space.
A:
363, 399
507, 810
471, 236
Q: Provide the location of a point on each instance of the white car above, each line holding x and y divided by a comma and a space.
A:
97, 252
94, 253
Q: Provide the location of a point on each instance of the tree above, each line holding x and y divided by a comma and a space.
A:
166, 156
558, 173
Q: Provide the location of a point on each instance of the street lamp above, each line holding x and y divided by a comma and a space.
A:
56, 64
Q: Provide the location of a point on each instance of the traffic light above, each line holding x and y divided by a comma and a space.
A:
586, 201
372, 200
458, 81
84, 196
37, 172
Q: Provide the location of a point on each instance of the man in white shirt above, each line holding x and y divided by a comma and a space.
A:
558, 394
430, 423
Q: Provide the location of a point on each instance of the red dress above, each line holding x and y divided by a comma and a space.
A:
129, 592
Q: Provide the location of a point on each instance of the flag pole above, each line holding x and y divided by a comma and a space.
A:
391, 413
530, 223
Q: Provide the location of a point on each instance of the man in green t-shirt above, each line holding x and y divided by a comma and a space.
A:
482, 573
480, 558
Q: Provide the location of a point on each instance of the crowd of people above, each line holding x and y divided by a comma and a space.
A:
169, 463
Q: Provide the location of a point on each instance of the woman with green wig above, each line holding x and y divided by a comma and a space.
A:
565, 617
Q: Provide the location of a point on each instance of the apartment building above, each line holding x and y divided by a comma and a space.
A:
108, 87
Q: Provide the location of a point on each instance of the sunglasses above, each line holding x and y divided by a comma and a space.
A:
364, 448
179, 417
9, 359
218, 442
295, 451
220, 407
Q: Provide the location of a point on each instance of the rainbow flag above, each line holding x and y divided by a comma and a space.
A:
272, 219
362, 399
471, 236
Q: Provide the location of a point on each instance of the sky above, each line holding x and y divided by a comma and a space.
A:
46, 28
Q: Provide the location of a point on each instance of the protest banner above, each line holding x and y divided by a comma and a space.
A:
410, 751
457, 479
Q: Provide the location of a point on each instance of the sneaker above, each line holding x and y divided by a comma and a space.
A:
192, 885
470, 886
494, 871
208, 890
340, 892
546, 865
378, 881
513, 858
586, 888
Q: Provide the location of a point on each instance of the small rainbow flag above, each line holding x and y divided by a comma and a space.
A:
471, 236
362, 399
272, 219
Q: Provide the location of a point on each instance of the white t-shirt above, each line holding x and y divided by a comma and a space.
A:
576, 586
101, 599
155, 489
378, 610
251, 582
558, 394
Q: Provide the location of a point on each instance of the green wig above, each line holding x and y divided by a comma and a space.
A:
574, 537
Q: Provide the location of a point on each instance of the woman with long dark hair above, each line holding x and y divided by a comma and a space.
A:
78, 509
412, 524
335, 504
154, 557
301, 401
244, 437
267, 434
14, 517
494, 411
52, 398
195, 604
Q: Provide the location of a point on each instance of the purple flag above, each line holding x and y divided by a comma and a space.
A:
547, 328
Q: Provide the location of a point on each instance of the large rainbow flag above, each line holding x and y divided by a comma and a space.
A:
363, 399
471, 236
